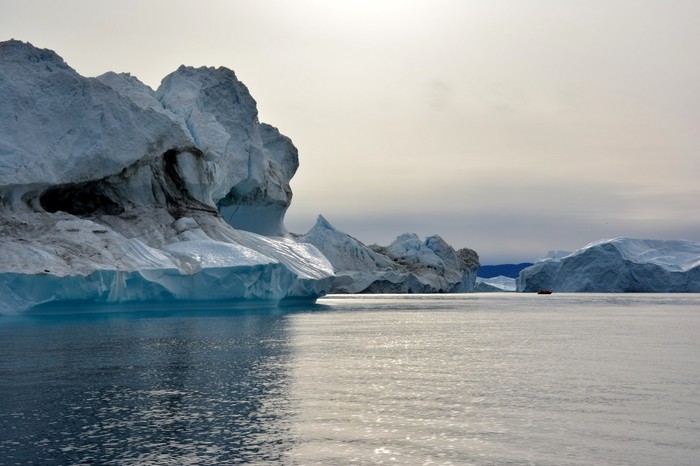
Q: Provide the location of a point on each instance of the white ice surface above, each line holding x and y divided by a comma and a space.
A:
408, 265
500, 282
672, 255
620, 265
58, 127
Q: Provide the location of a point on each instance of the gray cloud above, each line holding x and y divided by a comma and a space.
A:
440, 95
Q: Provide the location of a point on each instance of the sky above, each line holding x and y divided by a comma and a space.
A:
512, 127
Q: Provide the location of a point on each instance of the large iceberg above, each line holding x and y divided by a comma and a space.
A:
619, 265
408, 265
112, 192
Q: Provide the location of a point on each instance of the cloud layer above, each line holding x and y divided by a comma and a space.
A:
509, 127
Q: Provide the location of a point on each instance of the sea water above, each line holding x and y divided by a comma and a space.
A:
565, 379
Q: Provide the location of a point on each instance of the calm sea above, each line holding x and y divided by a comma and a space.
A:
486, 379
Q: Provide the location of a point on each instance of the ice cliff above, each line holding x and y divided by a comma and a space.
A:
619, 265
113, 192
408, 265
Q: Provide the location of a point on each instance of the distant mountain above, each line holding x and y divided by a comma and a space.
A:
505, 270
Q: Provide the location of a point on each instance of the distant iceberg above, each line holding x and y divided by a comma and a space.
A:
407, 265
111, 192
498, 283
619, 265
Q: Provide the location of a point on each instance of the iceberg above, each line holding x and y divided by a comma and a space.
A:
407, 265
619, 265
498, 283
111, 192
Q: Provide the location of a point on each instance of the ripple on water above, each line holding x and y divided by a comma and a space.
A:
427, 380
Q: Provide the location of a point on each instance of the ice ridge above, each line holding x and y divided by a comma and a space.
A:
407, 265
619, 265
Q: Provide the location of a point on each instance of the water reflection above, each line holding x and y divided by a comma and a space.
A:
510, 379
182, 387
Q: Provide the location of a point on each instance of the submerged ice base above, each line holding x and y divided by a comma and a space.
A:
81, 260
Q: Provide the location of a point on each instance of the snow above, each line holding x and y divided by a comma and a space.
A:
408, 265
554, 254
409, 247
500, 282
672, 255
113, 192
207, 254
620, 265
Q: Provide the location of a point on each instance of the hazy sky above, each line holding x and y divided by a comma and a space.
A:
509, 126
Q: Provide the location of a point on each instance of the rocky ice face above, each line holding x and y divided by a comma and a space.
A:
110, 191
252, 163
619, 265
58, 127
407, 265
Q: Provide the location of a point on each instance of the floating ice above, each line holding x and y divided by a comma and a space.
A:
113, 192
620, 265
408, 265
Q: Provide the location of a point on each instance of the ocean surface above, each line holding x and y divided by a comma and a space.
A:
484, 379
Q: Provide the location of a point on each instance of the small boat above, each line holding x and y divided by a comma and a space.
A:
544, 292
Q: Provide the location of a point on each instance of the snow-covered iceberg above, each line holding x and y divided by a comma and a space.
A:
113, 192
619, 265
408, 265
495, 284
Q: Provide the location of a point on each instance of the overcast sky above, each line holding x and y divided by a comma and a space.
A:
509, 126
